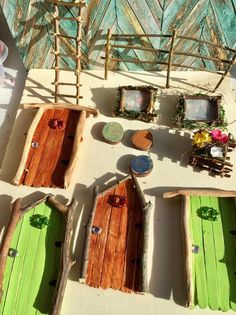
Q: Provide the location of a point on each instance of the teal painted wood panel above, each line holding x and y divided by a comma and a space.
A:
30, 22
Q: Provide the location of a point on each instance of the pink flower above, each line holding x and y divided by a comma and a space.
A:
219, 136
224, 138
216, 134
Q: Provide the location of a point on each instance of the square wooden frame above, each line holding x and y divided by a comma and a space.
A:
147, 114
183, 122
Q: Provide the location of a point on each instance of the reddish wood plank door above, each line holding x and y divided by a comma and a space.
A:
51, 149
115, 255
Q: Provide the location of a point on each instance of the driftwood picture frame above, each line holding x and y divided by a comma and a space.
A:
197, 111
136, 102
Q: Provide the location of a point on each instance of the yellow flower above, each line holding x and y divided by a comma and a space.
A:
201, 138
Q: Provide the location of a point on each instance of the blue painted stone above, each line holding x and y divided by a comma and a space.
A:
141, 165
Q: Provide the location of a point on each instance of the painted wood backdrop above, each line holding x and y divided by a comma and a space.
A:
30, 22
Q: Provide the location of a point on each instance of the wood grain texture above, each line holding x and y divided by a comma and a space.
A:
115, 255
47, 164
214, 264
187, 249
38, 260
200, 192
34, 281
66, 260
93, 239
31, 25
75, 147
89, 110
113, 234
28, 142
15, 218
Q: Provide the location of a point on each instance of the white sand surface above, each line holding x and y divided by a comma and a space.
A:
100, 163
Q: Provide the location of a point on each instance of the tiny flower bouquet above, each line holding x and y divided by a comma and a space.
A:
211, 144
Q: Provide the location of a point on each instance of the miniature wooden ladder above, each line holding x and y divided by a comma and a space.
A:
78, 39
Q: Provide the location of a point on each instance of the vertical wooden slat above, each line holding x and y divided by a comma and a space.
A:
40, 135
66, 149
170, 58
27, 147
188, 263
131, 242
146, 219
57, 51
109, 263
93, 240
108, 51
15, 217
56, 149
134, 241
101, 244
78, 55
